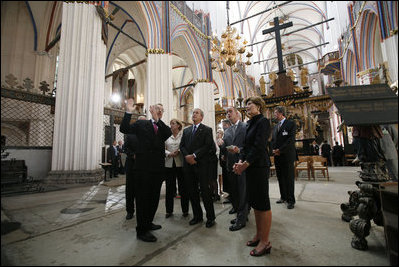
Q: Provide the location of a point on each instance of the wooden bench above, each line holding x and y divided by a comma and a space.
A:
320, 163
272, 166
107, 167
304, 163
349, 158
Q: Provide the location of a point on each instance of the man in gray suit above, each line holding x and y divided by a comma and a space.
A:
233, 142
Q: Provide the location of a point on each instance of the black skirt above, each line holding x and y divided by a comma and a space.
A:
258, 188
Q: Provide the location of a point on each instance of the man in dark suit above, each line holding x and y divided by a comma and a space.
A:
195, 146
130, 147
149, 165
112, 157
233, 143
121, 167
284, 156
326, 151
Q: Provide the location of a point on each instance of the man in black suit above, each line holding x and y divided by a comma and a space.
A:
195, 146
112, 157
130, 147
149, 165
326, 151
233, 143
284, 156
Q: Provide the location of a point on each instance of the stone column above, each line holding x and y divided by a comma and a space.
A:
79, 105
390, 54
159, 84
204, 99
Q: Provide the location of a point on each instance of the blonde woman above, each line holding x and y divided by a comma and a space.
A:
174, 170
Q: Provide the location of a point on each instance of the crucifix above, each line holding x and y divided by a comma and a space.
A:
276, 29
283, 85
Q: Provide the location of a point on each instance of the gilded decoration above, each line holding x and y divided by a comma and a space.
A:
154, 51
220, 113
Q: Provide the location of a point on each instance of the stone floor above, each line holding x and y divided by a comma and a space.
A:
87, 226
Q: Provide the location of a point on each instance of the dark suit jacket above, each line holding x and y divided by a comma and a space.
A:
111, 154
238, 139
150, 150
201, 144
255, 148
325, 150
131, 144
284, 139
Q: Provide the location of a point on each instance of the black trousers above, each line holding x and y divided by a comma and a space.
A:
171, 175
147, 191
129, 191
285, 171
114, 167
239, 198
197, 181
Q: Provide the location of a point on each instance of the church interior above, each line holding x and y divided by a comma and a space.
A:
68, 68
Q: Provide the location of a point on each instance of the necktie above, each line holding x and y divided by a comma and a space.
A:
194, 129
155, 127
279, 126
234, 129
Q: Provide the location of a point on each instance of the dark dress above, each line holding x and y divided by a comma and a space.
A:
256, 154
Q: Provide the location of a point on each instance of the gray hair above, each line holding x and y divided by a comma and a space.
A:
202, 113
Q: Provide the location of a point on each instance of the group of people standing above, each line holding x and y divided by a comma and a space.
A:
156, 151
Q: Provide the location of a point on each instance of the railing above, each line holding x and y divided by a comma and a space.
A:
195, 19
327, 58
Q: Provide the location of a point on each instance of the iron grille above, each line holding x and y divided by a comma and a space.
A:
26, 124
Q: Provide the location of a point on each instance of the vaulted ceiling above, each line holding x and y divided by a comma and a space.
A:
301, 13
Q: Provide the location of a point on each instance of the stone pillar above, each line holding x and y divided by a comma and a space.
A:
390, 54
204, 99
159, 84
79, 105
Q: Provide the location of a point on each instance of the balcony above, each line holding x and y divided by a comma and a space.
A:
330, 63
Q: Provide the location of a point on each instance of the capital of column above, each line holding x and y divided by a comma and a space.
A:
154, 51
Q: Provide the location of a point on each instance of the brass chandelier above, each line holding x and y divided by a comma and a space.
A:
230, 50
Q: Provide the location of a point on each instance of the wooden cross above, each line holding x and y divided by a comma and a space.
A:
276, 29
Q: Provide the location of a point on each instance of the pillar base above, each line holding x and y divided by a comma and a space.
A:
75, 177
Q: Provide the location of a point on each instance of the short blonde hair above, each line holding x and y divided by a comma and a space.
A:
178, 123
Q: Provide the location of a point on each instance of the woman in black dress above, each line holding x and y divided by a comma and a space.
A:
254, 159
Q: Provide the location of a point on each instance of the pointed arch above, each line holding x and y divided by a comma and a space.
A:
190, 50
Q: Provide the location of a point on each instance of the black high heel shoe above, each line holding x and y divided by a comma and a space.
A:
253, 243
264, 251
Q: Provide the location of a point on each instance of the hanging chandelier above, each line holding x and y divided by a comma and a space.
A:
230, 50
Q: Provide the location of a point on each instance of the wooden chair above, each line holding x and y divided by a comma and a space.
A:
304, 163
272, 166
320, 164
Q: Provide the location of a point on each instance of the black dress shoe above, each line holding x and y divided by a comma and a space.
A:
195, 221
234, 221
232, 211
210, 223
146, 237
280, 201
185, 214
236, 226
226, 201
129, 215
290, 206
155, 226
168, 215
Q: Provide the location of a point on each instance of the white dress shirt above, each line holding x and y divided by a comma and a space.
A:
171, 145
